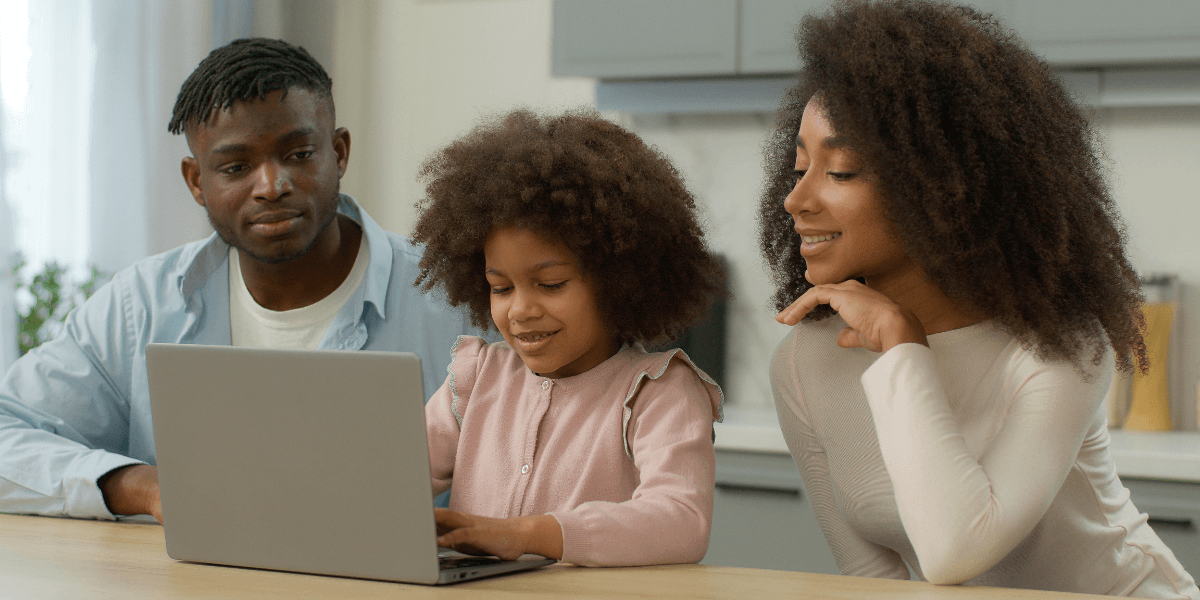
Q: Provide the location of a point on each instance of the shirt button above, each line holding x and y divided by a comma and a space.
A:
545, 385
524, 469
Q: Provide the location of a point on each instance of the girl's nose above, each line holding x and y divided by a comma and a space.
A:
525, 305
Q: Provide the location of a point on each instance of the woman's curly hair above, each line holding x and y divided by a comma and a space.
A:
617, 204
987, 169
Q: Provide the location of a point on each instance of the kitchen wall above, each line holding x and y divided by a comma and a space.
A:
410, 75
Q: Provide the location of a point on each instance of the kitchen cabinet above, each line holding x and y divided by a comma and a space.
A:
623, 39
643, 38
1174, 510
761, 517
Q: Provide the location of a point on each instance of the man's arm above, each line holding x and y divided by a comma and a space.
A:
64, 414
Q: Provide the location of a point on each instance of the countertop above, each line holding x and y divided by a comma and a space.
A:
1170, 455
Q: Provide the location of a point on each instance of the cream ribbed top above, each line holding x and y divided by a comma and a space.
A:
970, 460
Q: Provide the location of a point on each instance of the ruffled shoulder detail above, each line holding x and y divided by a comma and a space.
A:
651, 367
464, 371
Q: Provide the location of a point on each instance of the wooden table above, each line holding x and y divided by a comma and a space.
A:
43, 557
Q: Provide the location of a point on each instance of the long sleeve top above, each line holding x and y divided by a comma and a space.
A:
78, 407
620, 455
971, 460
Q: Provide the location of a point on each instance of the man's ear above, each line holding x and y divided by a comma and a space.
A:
191, 176
341, 147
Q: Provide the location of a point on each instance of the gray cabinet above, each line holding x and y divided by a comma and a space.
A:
1174, 510
630, 39
643, 38
761, 517
1110, 32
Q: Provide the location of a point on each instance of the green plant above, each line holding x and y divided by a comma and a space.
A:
50, 298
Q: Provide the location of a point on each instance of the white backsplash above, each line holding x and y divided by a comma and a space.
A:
720, 159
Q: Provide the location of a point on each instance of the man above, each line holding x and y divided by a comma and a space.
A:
293, 264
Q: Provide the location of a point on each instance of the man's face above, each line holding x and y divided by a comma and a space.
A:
267, 172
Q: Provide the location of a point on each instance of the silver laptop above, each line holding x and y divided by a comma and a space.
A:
309, 461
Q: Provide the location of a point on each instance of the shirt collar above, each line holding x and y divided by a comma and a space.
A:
212, 256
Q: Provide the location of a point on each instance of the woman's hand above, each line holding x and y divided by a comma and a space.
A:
506, 538
873, 321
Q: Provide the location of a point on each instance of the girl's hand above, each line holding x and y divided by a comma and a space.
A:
506, 538
873, 320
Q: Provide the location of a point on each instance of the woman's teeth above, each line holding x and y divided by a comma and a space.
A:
812, 239
534, 337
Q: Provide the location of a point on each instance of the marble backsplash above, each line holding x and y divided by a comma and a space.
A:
720, 158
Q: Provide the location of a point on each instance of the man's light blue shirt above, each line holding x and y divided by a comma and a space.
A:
78, 407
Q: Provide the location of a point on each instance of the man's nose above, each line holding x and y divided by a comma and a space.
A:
272, 182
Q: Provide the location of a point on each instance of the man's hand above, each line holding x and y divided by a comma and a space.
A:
873, 320
506, 538
132, 490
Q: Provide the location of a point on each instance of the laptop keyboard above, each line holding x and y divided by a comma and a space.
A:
459, 562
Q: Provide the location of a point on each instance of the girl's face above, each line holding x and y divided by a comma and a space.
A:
543, 305
837, 213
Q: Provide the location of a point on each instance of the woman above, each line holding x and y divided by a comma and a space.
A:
954, 265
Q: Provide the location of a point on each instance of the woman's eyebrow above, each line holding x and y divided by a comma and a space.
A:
832, 141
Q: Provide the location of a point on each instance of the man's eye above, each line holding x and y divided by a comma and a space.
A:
303, 154
234, 170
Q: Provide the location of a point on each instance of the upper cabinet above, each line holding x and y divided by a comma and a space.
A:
644, 38
655, 39
1110, 32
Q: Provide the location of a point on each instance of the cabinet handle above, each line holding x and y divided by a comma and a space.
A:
751, 488
1175, 522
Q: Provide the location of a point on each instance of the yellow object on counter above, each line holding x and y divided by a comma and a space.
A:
1150, 408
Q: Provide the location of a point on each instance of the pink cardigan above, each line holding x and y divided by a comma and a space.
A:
621, 455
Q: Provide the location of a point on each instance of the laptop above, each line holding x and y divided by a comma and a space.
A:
300, 460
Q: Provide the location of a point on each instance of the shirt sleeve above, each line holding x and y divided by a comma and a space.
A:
669, 516
964, 513
64, 414
445, 410
853, 554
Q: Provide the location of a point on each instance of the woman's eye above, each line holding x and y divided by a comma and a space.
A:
500, 290
842, 175
554, 286
799, 173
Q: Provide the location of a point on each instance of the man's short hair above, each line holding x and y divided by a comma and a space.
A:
242, 70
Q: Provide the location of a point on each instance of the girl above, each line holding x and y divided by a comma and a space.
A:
578, 244
933, 184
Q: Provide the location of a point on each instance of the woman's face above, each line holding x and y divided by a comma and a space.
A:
836, 209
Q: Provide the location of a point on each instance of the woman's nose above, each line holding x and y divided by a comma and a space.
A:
798, 199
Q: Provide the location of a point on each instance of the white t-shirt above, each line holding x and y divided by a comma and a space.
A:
299, 328
972, 460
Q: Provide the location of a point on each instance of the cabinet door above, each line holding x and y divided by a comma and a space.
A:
1110, 32
643, 38
768, 34
761, 518
1174, 510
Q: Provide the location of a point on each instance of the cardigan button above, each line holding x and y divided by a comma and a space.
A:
545, 385
524, 469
